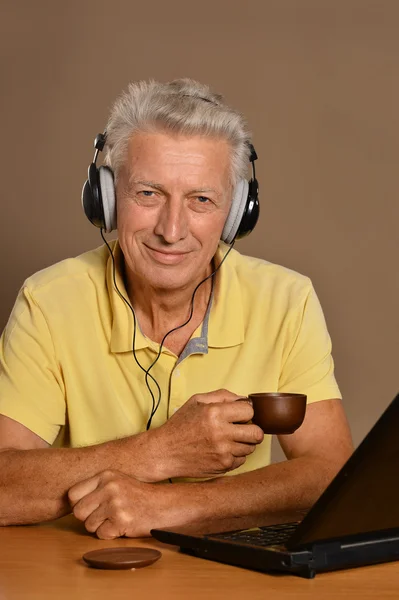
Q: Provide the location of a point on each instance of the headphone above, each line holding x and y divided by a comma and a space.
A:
99, 198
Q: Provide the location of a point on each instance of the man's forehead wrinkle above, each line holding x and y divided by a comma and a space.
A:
187, 168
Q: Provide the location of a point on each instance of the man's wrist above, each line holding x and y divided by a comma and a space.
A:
146, 457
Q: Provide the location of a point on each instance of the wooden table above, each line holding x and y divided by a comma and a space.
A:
42, 562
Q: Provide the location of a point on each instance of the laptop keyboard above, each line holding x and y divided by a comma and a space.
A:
266, 536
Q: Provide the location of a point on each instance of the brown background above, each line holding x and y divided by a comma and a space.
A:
318, 81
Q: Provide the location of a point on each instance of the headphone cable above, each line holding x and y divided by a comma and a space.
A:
155, 405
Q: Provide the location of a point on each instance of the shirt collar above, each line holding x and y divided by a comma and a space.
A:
226, 326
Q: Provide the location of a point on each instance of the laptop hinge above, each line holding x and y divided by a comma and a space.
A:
319, 554
322, 552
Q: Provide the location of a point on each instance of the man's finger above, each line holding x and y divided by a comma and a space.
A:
96, 519
82, 489
242, 449
109, 531
86, 506
248, 434
239, 411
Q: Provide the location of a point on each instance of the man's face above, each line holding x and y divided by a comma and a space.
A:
173, 197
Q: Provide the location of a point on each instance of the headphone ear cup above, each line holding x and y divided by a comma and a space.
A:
91, 198
238, 204
107, 187
251, 212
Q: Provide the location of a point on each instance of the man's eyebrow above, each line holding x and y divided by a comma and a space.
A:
204, 191
152, 184
159, 186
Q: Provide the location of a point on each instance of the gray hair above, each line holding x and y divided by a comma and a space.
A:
180, 106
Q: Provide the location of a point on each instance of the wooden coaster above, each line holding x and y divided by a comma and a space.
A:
121, 558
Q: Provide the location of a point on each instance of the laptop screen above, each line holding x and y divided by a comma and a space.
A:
364, 495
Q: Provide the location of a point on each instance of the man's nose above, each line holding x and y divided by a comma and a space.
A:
172, 221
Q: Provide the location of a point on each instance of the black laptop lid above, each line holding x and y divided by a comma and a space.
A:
364, 496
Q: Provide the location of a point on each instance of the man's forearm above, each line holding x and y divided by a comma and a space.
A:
290, 485
34, 483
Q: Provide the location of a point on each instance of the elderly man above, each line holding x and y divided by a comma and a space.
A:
126, 369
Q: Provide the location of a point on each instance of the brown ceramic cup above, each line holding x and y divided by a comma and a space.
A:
278, 413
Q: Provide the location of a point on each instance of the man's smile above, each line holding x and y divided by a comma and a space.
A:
166, 257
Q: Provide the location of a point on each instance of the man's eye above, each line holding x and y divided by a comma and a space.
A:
146, 193
203, 199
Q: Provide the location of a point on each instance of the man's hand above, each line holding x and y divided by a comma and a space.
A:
208, 436
113, 504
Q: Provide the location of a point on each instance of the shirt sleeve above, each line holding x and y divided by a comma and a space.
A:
31, 384
309, 367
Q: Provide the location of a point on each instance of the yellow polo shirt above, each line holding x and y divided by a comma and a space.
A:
68, 374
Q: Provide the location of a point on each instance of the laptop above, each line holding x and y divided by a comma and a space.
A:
355, 522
